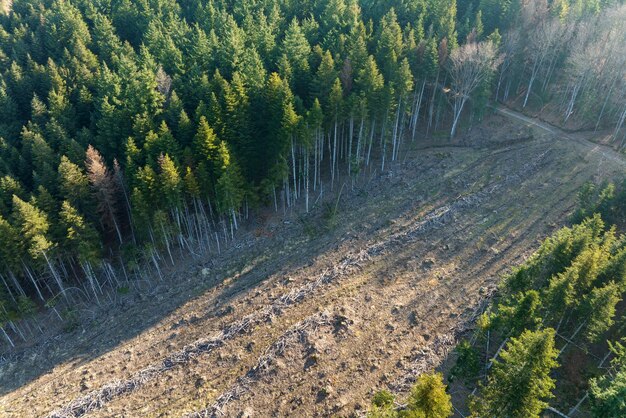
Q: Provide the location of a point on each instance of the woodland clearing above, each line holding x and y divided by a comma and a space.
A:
309, 315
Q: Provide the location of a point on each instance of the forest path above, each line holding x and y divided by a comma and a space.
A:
606, 151
323, 310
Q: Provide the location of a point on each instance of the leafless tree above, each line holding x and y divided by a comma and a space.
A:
594, 71
510, 49
541, 49
470, 66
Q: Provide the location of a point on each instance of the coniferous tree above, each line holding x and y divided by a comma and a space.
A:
104, 190
520, 381
170, 182
80, 238
33, 226
428, 397
73, 183
607, 393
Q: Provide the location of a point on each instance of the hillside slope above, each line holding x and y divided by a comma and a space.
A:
355, 299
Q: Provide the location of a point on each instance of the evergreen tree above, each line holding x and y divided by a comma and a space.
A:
520, 381
80, 237
608, 392
600, 309
104, 189
73, 183
33, 227
170, 182
206, 146
428, 397
10, 246
230, 185
297, 50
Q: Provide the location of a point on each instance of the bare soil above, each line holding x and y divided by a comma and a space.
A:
309, 315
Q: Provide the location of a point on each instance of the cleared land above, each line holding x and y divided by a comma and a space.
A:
308, 316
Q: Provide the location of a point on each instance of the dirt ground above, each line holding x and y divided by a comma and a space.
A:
309, 315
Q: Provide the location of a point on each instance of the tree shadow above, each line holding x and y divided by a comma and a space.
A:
274, 244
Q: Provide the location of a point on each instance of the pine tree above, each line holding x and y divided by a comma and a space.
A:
80, 237
521, 312
9, 186
607, 396
520, 381
33, 226
10, 251
230, 185
206, 146
170, 182
73, 183
325, 78
191, 186
428, 397
600, 309
297, 50
390, 46
607, 393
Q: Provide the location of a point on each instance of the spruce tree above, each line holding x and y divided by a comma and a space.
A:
170, 182
429, 398
520, 381
33, 225
80, 238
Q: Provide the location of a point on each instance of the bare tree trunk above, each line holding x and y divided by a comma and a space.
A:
394, 139
371, 141
293, 163
8, 288
54, 274
431, 109
350, 135
619, 125
7, 337
383, 142
32, 279
334, 159
306, 180
416, 111
459, 103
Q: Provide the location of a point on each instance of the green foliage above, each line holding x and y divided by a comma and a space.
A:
383, 399
170, 181
519, 312
555, 255
114, 112
33, 226
105, 76
428, 399
520, 381
467, 364
607, 200
608, 393
600, 309
80, 238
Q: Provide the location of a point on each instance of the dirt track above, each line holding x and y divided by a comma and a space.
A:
339, 308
